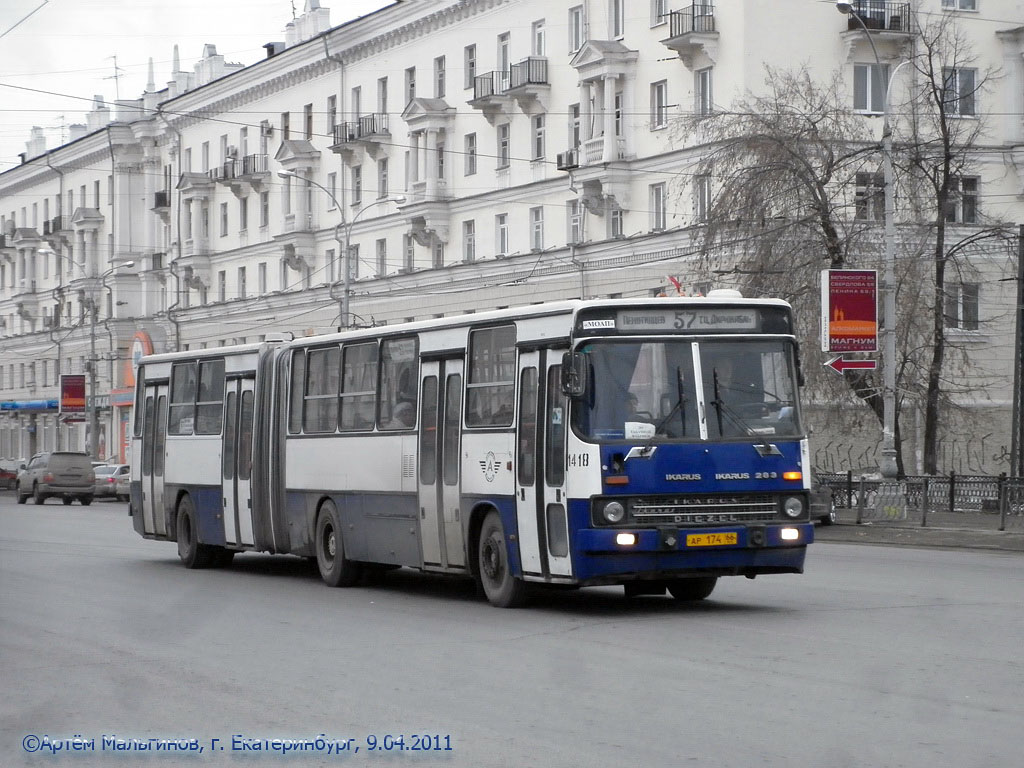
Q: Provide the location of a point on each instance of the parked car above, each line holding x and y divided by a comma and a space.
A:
823, 504
9, 469
107, 479
124, 484
67, 474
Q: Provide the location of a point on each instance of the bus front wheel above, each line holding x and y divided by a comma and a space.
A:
692, 589
502, 589
335, 569
190, 551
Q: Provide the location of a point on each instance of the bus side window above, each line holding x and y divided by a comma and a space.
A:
490, 388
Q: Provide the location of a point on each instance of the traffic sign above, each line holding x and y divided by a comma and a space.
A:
840, 364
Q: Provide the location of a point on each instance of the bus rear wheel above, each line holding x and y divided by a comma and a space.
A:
335, 569
503, 590
689, 590
190, 551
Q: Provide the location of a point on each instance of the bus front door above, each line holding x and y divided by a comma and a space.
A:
154, 426
236, 457
540, 467
439, 464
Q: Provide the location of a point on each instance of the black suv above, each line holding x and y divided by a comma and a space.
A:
67, 474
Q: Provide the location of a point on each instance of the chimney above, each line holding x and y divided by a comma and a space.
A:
76, 131
100, 114
274, 48
36, 144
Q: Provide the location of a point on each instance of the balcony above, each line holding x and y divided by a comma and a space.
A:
528, 81
243, 174
367, 133
692, 32
888, 24
161, 200
881, 16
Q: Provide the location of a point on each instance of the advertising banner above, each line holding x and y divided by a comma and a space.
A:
72, 396
849, 310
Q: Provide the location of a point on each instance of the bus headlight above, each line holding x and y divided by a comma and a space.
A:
793, 507
613, 512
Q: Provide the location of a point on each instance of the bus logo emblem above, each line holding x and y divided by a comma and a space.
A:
490, 467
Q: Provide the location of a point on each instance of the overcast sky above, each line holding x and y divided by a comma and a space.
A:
53, 62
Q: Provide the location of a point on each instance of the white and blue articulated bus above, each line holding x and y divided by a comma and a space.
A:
652, 443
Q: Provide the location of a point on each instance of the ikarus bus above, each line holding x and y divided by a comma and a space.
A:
655, 444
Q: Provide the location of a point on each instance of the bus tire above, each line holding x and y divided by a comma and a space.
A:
190, 551
500, 587
689, 590
335, 569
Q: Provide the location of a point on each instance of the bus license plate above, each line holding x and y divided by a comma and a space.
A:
710, 539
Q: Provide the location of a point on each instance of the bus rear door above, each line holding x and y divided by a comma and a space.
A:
236, 456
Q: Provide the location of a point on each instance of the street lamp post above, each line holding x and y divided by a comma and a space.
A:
887, 464
343, 234
91, 395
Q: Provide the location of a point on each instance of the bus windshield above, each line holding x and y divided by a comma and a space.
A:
688, 390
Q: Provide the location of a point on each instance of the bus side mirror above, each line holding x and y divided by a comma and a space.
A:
574, 377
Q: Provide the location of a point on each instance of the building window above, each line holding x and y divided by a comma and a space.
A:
408, 253
869, 204
469, 64
356, 105
869, 84
537, 228
504, 152
960, 5
261, 276
410, 84
704, 103
469, 154
243, 214
574, 219
286, 126
382, 177
223, 219
469, 240
438, 256
962, 305
615, 222
439, 77
382, 257
332, 114
657, 206
659, 12
222, 286
204, 154
538, 38
574, 125
615, 20
307, 121
504, 57
264, 209
575, 28
538, 137
958, 89
701, 197
501, 234
382, 95
962, 205
286, 196
241, 282
659, 104
357, 184
332, 187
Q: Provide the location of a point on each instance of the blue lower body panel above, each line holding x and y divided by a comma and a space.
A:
664, 553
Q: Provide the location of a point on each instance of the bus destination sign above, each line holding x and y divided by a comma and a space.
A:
691, 320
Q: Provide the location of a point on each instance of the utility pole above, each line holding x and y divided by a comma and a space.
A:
1017, 434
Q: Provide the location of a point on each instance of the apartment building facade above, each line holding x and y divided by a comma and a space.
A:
452, 156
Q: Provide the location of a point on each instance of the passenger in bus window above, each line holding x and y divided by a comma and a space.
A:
404, 416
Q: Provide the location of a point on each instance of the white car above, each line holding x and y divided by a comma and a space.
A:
107, 477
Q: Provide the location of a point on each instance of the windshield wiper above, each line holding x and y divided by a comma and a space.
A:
764, 448
679, 407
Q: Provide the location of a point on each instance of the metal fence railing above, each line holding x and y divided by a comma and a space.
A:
964, 501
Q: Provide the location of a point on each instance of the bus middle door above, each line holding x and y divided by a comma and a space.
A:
236, 457
154, 453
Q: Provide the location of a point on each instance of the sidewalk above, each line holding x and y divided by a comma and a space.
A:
910, 534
